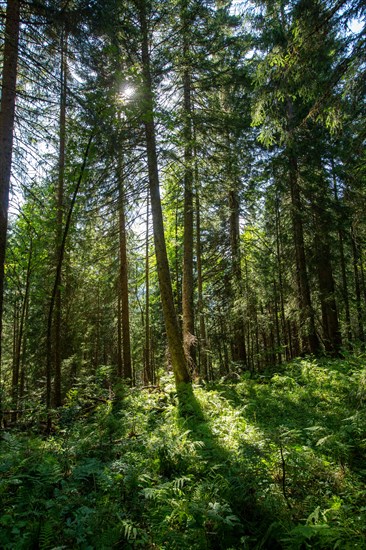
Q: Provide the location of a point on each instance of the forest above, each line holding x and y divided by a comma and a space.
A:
182, 274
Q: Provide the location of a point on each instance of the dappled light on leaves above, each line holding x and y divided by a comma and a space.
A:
273, 461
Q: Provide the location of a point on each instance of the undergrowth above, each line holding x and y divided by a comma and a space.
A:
276, 461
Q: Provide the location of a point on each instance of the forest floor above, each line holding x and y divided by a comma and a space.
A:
271, 461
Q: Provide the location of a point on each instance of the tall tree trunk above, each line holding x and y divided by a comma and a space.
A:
123, 275
289, 354
309, 337
7, 113
22, 384
174, 336
149, 375
355, 254
249, 346
277, 353
177, 293
59, 220
187, 286
331, 333
280, 282
203, 364
119, 333
97, 338
310, 341
239, 354
257, 347
222, 343
362, 270
20, 332
15, 370
239, 351
57, 283
345, 293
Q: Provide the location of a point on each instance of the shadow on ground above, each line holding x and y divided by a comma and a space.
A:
234, 483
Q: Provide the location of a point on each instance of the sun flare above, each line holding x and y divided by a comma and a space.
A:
127, 91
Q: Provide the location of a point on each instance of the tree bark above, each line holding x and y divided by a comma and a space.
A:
280, 282
20, 331
278, 346
15, 366
174, 337
149, 375
123, 275
310, 341
309, 338
22, 384
355, 255
7, 114
203, 362
59, 220
331, 333
345, 292
239, 350
57, 282
119, 333
187, 285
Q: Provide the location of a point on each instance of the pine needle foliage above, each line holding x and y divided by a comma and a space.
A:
273, 461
